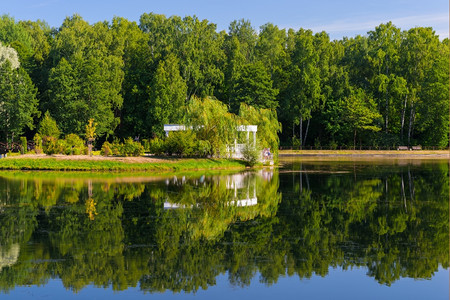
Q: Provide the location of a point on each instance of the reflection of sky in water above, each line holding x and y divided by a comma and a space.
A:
338, 284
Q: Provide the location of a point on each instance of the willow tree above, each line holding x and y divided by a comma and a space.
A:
267, 122
212, 122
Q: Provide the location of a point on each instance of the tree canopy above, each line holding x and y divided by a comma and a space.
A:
132, 78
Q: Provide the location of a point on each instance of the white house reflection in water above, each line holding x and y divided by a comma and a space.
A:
243, 187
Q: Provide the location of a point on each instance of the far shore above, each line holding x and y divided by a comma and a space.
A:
366, 154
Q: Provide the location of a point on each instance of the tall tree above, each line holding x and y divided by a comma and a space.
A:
167, 95
254, 87
360, 112
18, 102
384, 53
419, 51
305, 81
87, 77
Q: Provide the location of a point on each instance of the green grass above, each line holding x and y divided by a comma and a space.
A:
104, 165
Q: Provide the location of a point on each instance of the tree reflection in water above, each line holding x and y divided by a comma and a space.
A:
180, 232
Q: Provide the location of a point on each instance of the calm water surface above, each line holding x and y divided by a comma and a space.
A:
309, 230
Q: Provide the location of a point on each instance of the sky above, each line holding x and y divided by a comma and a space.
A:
338, 18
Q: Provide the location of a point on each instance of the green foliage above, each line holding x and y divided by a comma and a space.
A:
18, 102
74, 145
181, 143
106, 149
251, 154
167, 95
268, 126
254, 87
134, 78
127, 148
48, 127
23, 145
53, 145
157, 146
131, 148
37, 139
360, 112
86, 78
212, 122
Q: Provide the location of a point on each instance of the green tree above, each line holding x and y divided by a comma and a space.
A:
167, 95
254, 87
305, 88
48, 127
212, 122
239, 49
360, 113
18, 102
87, 77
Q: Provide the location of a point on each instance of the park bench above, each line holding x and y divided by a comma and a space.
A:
416, 147
402, 148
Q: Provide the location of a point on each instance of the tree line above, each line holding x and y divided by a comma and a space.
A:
387, 88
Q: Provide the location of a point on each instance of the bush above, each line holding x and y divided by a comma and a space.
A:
132, 148
181, 143
250, 155
106, 149
23, 145
157, 146
146, 144
54, 146
37, 143
74, 145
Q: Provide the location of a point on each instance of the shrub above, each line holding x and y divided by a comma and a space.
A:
157, 146
74, 145
23, 145
146, 144
132, 148
37, 143
54, 146
181, 143
106, 149
48, 127
250, 155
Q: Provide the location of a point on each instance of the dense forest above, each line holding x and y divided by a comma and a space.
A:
387, 88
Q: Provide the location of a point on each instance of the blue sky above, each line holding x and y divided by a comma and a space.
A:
338, 18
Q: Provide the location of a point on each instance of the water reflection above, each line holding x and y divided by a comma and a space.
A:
180, 233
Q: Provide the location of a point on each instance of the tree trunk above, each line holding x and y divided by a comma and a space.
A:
403, 118
411, 121
306, 133
293, 133
387, 111
354, 140
301, 133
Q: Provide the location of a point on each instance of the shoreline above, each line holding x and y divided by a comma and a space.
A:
366, 154
42, 162
96, 163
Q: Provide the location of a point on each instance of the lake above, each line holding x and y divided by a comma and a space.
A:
309, 230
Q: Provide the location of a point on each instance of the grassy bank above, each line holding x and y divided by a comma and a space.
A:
67, 164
